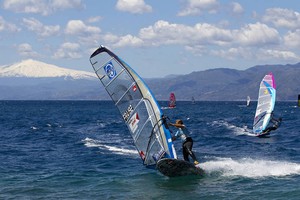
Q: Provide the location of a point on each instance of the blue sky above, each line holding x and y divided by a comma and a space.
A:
155, 37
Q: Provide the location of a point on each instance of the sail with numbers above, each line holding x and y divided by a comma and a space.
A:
137, 105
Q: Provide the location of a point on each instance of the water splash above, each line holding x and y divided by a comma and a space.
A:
251, 168
117, 150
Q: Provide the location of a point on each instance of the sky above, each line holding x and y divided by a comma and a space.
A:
155, 37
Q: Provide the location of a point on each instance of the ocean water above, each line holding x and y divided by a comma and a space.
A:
82, 150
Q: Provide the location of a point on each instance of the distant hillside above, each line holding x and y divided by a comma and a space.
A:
229, 84
33, 80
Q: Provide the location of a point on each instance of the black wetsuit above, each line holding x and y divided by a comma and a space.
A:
276, 124
187, 144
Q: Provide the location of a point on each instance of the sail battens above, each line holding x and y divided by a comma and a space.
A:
104, 63
140, 131
114, 78
126, 92
136, 104
94, 63
265, 103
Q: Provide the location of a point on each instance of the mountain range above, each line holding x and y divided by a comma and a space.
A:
230, 84
35, 80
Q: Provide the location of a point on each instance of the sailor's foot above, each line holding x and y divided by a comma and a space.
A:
196, 162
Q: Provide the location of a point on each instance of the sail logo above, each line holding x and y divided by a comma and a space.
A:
134, 88
266, 91
110, 70
133, 122
127, 113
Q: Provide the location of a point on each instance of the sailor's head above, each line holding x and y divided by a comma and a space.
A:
179, 121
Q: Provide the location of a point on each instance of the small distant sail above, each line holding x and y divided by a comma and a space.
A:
193, 100
172, 100
299, 100
248, 100
136, 104
265, 103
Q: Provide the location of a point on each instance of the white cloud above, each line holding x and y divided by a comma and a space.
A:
68, 50
196, 7
87, 35
25, 50
278, 55
78, 27
66, 4
292, 39
207, 39
256, 35
237, 8
129, 40
26, 6
94, 19
40, 6
133, 6
6, 26
234, 53
40, 29
163, 32
198, 50
282, 18
110, 38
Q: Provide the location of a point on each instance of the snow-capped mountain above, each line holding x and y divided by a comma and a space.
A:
36, 69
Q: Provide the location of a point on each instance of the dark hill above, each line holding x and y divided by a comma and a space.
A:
229, 84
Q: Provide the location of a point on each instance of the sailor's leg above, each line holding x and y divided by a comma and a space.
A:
185, 153
189, 145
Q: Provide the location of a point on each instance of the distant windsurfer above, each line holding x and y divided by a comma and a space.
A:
276, 123
187, 141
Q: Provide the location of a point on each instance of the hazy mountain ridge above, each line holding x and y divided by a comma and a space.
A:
49, 82
230, 84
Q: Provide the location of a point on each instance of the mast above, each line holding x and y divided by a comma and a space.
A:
136, 104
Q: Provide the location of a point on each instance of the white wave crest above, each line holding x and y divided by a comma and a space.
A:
251, 168
235, 129
118, 150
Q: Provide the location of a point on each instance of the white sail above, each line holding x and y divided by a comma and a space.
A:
265, 104
193, 100
248, 100
136, 104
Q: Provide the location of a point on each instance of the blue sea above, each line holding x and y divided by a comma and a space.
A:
82, 150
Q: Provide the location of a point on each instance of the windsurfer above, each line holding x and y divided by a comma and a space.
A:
187, 141
276, 123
